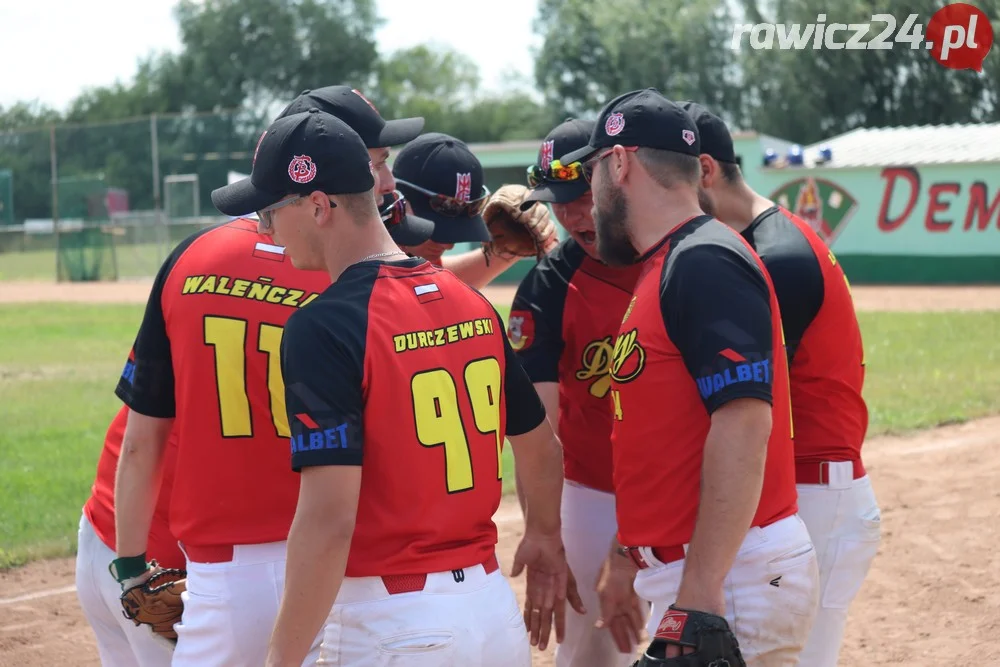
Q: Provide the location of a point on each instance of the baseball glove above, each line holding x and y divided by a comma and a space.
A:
709, 635
517, 233
157, 602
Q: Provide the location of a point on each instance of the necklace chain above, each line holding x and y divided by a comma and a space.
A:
382, 254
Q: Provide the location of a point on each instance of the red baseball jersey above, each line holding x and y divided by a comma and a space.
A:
701, 331
208, 355
823, 340
563, 323
404, 370
100, 507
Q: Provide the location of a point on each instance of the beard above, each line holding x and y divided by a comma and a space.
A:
614, 246
706, 202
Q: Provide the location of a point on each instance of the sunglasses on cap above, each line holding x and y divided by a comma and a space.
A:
588, 166
393, 210
556, 173
265, 214
451, 206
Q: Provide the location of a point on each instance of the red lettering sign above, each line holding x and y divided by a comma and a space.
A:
977, 206
935, 205
890, 175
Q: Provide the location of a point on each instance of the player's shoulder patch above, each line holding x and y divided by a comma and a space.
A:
520, 329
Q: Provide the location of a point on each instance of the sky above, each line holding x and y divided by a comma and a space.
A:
51, 50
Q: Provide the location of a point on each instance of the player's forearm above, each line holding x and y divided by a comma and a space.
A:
314, 571
472, 267
137, 485
539, 465
548, 393
732, 477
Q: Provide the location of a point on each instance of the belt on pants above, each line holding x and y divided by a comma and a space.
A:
663, 554
214, 553
412, 583
819, 472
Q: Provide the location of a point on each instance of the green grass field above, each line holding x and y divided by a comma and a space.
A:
59, 365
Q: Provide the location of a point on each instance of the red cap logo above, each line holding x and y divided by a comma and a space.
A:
959, 36
301, 169
614, 124
358, 93
547, 154
688, 137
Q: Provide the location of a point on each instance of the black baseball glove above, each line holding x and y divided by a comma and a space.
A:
709, 635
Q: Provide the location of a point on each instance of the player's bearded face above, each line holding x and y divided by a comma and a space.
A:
611, 219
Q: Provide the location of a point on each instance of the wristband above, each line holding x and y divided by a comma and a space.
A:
128, 567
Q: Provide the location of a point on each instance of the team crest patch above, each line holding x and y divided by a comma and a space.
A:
614, 125
823, 204
546, 155
688, 137
301, 169
520, 329
463, 187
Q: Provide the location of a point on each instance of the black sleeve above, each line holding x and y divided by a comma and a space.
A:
716, 307
535, 322
524, 408
147, 381
323, 393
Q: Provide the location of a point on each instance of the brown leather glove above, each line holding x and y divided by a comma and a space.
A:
517, 233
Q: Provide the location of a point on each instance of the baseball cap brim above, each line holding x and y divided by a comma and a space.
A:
412, 231
555, 193
400, 131
579, 155
242, 197
460, 230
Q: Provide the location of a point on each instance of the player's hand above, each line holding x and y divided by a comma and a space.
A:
622, 612
548, 585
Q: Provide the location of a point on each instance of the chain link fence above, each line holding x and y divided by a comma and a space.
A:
109, 200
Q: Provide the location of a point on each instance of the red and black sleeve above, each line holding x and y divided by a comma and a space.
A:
536, 314
147, 381
715, 303
524, 407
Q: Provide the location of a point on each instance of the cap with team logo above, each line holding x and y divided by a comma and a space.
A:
713, 134
443, 181
550, 179
350, 106
641, 118
298, 155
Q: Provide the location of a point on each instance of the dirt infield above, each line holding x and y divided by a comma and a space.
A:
934, 590
866, 297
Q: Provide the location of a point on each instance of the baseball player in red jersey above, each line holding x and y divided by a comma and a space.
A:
119, 640
394, 518
703, 466
206, 363
563, 323
826, 372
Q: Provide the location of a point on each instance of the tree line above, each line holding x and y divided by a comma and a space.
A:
241, 59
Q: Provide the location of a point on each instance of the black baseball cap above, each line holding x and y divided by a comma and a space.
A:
443, 181
404, 228
570, 135
641, 118
350, 106
715, 139
298, 155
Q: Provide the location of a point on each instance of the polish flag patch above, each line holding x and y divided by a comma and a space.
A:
275, 253
427, 293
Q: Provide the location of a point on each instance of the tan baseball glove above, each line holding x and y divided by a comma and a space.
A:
517, 233
157, 602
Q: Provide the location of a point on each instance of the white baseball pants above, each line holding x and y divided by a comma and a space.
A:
470, 619
771, 592
845, 523
588, 527
120, 642
230, 608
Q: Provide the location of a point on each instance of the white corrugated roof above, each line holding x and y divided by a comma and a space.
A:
902, 146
